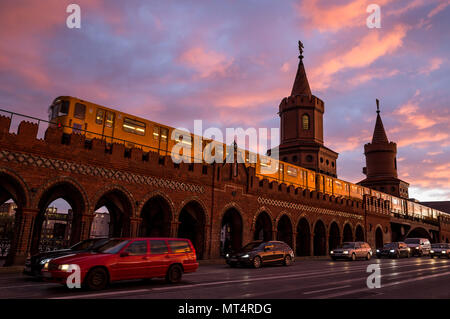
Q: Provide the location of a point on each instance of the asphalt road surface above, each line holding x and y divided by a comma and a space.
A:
400, 278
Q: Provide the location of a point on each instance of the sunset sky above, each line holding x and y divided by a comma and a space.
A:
230, 63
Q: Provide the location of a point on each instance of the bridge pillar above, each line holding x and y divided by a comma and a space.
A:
311, 244
294, 242
327, 244
23, 232
174, 229
135, 225
86, 223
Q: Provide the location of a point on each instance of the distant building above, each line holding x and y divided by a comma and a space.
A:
8, 209
57, 225
100, 225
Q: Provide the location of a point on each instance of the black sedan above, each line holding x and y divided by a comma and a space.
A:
394, 250
257, 253
440, 250
34, 265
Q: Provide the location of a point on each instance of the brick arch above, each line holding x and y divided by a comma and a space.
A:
351, 229
57, 181
260, 210
334, 239
234, 238
319, 242
122, 207
303, 239
23, 186
114, 187
313, 225
375, 230
149, 196
358, 224
281, 215
198, 201
288, 238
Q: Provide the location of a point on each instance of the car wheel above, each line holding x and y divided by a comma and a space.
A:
287, 260
368, 256
96, 279
257, 262
353, 257
174, 274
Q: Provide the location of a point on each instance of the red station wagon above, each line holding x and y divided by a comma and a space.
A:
125, 259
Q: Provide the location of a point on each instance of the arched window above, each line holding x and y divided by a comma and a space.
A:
305, 121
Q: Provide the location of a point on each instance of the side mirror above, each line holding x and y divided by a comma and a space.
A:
124, 254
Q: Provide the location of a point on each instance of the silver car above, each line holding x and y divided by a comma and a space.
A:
440, 250
352, 251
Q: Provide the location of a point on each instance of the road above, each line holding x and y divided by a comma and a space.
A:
402, 278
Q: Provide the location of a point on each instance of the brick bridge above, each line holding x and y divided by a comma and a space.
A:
149, 195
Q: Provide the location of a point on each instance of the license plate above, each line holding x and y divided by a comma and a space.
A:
47, 274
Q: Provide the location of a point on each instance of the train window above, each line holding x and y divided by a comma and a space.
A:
64, 108
99, 116
80, 111
109, 121
164, 134
133, 126
292, 171
155, 132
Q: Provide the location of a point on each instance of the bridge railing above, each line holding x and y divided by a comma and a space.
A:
416, 218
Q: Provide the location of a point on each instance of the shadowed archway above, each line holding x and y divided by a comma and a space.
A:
379, 238
192, 220
334, 239
303, 238
319, 239
156, 218
263, 227
359, 233
284, 230
231, 231
348, 233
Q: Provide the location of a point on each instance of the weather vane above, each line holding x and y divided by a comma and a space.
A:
300, 48
378, 106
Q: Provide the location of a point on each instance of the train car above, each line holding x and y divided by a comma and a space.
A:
356, 191
341, 188
324, 184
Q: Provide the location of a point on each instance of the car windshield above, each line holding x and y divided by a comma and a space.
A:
88, 244
250, 246
412, 241
390, 245
112, 246
439, 246
348, 245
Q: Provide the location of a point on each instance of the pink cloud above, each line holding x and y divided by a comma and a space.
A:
206, 63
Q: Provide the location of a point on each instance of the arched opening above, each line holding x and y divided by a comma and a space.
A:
263, 227
303, 238
12, 198
320, 239
156, 218
58, 222
192, 221
348, 233
112, 215
284, 230
231, 231
379, 238
334, 239
419, 232
359, 233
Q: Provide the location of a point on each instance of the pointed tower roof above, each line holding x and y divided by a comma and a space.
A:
379, 134
301, 85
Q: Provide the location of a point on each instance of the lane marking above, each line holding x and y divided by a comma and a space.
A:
323, 290
405, 281
103, 294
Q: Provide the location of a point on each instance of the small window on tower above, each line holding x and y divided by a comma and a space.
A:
305, 121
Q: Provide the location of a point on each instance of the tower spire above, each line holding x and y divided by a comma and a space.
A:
301, 84
379, 134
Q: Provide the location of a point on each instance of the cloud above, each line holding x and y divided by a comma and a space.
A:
434, 64
365, 52
206, 63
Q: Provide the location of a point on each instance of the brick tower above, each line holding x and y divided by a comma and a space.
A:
381, 163
301, 115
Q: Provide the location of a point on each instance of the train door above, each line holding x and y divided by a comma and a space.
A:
108, 126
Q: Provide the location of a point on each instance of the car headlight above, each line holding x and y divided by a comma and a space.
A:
432, 251
44, 261
444, 252
392, 251
417, 247
331, 252
245, 256
409, 249
227, 255
378, 250
345, 252
46, 266
63, 267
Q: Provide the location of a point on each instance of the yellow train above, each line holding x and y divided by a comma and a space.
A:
96, 121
